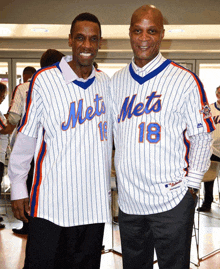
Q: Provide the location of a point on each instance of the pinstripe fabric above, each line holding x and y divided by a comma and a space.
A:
72, 168
19, 96
3, 138
152, 145
13, 94
215, 110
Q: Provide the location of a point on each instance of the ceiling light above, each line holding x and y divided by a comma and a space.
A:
176, 31
5, 31
40, 30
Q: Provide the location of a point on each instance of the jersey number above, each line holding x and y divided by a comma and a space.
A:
153, 132
103, 130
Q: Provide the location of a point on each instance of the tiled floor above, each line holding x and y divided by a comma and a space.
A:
12, 247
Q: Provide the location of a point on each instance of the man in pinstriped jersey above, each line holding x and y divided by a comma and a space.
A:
67, 106
208, 185
162, 133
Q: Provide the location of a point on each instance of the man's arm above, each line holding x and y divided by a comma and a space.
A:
199, 158
8, 129
12, 121
19, 165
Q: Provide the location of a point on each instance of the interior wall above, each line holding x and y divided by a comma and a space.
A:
112, 51
112, 48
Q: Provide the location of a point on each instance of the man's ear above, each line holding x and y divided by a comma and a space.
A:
70, 40
100, 43
163, 33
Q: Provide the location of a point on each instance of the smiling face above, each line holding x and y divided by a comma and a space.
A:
146, 33
85, 41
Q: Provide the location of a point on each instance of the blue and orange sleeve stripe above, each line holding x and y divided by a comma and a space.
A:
2, 125
187, 146
203, 98
34, 199
29, 99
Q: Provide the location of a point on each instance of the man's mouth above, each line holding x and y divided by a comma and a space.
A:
85, 54
144, 47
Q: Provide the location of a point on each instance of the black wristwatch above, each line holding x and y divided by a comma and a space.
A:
193, 190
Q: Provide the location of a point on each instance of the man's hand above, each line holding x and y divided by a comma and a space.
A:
8, 129
18, 208
193, 192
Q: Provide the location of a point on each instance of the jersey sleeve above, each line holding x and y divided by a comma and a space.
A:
199, 158
33, 114
17, 102
197, 110
19, 165
3, 121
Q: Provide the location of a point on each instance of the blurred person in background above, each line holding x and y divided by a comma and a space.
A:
3, 140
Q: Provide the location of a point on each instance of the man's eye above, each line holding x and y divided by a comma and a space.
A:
152, 31
137, 31
80, 38
94, 38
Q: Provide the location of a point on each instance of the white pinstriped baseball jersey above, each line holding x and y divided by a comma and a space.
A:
215, 110
72, 162
3, 138
3, 121
152, 108
18, 100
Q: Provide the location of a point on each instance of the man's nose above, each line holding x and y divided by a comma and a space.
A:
144, 36
87, 43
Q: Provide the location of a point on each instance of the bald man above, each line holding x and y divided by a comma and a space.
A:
162, 135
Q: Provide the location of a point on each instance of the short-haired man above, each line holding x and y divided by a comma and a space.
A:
50, 57
67, 105
162, 149
28, 73
3, 140
208, 186
17, 105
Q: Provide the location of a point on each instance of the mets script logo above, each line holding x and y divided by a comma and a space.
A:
216, 119
76, 113
206, 111
128, 109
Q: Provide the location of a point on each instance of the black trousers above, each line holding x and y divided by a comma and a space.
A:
208, 186
82, 248
169, 233
208, 196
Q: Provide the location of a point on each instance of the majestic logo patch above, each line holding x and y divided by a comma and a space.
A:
199, 125
173, 185
206, 111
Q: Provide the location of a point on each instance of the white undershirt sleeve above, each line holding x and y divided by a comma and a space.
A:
13, 118
199, 158
19, 165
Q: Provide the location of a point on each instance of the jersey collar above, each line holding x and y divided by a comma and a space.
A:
216, 106
142, 71
70, 76
150, 70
